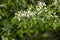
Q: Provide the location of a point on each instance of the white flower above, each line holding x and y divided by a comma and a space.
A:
40, 12
45, 9
39, 3
18, 15
40, 7
23, 14
44, 4
54, 13
55, 2
56, 16
28, 15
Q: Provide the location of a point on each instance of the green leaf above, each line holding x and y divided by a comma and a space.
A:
13, 20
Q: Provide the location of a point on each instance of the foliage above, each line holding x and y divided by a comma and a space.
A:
29, 19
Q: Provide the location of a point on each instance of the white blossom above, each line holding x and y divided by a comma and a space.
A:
41, 8
55, 2
56, 16
44, 4
40, 12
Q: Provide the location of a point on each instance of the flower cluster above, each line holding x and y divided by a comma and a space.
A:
55, 2
22, 13
41, 8
40, 5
